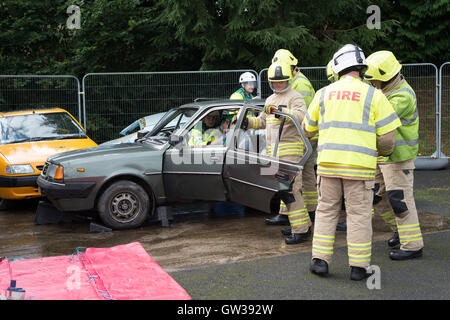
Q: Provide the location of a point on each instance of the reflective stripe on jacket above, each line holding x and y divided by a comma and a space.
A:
404, 102
349, 114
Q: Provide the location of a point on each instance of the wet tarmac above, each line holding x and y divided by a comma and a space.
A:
192, 240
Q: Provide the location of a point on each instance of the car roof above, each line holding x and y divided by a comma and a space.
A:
215, 103
31, 111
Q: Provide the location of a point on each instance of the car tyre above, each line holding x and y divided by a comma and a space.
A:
124, 205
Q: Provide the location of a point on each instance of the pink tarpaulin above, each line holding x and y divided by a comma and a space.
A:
121, 273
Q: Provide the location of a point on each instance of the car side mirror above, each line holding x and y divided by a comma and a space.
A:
174, 140
141, 134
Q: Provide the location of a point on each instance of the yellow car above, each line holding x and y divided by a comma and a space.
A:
27, 139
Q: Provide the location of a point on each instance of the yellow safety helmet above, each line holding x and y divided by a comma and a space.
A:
286, 56
383, 66
279, 71
331, 76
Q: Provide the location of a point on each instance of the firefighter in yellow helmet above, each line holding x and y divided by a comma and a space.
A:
394, 199
302, 85
290, 146
354, 121
331, 76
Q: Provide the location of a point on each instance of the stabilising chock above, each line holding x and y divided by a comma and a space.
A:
46, 213
93, 227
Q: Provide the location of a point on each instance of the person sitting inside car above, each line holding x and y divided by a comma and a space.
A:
225, 126
206, 132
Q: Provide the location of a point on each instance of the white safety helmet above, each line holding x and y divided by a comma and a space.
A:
348, 56
247, 77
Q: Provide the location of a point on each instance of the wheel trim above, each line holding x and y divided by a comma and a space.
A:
124, 206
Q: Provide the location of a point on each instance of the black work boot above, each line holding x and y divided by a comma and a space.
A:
278, 220
405, 255
341, 226
358, 274
295, 238
312, 215
394, 241
319, 267
286, 231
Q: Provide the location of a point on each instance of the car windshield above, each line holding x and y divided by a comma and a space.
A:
39, 126
171, 121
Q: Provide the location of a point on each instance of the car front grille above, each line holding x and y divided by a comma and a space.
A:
44, 169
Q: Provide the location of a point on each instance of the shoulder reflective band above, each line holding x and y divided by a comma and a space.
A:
367, 104
305, 93
386, 120
410, 120
322, 104
301, 77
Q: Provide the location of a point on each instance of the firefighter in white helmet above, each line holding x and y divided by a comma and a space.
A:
290, 147
248, 85
355, 121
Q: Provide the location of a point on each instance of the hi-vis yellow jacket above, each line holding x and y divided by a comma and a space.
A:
290, 147
302, 85
349, 115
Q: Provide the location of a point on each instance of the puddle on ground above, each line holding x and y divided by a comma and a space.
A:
192, 240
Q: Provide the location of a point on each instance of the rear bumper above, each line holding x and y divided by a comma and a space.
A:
69, 190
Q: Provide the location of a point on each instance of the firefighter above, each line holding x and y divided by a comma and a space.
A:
354, 121
395, 199
290, 147
248, 85
302, 85
342, 224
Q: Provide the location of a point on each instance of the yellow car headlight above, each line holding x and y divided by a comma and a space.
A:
19, 169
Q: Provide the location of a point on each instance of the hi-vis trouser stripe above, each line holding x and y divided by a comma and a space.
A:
310, 197
322, 244
389, 217
285, 149
409, 232
359, 252
298, 217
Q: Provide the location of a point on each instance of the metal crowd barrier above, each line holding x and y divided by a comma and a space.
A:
114, 100
24, 92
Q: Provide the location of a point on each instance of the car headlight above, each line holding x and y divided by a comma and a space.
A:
19, 169
55, 172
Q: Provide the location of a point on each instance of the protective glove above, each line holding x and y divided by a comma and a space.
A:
270, 108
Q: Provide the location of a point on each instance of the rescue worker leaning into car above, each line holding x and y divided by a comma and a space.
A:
302, 85
354, 121
290, 147
394, 199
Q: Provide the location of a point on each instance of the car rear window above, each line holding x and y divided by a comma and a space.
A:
39, 126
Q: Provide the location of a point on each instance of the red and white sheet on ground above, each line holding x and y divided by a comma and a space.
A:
124, 272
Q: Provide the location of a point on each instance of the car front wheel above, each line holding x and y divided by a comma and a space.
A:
124, 205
